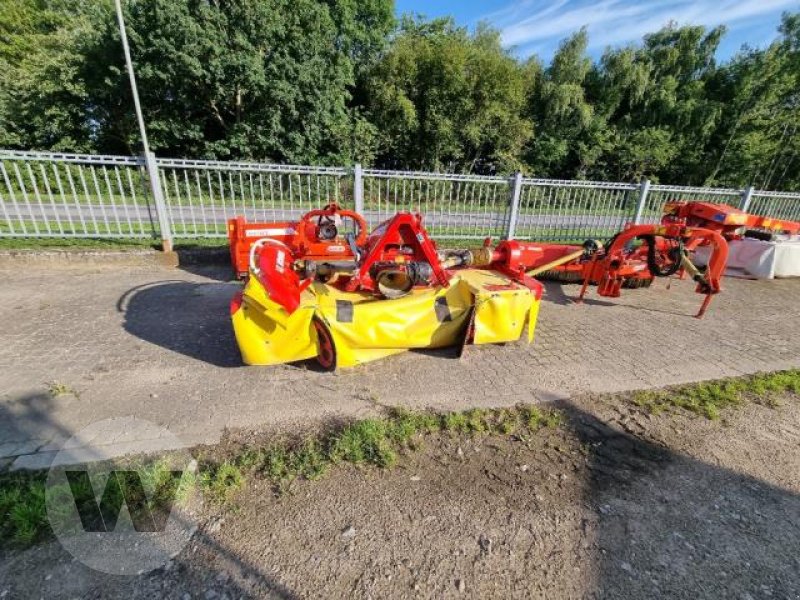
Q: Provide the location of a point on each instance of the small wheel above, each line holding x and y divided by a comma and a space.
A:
326, 351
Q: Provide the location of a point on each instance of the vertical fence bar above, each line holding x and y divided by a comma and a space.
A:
51, 199
26, 198
644, 190
6, 215
158, 199
358, 188
126, 212
13, 197
513, 211
747, 198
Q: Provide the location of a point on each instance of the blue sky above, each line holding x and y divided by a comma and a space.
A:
536, 26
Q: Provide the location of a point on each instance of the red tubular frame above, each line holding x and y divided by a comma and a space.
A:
614, 259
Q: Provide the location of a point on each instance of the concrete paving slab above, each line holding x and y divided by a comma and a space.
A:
156, 343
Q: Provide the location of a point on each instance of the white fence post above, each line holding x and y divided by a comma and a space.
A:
747, 198
513, 213
358, 188
154, 178
644, 190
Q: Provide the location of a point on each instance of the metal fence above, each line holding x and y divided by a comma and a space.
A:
87, 196
200, 196
561, 210
454, 206
70, 195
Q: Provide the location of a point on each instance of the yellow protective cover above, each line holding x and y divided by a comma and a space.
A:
365, 327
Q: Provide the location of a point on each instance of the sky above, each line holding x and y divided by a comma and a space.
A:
536, 26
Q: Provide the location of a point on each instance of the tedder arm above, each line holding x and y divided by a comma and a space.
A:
731, 222
666, 254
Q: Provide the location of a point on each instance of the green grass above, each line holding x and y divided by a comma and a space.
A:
443, 240
221, 482
100, 243
24, 518
375, 442
56, 389
14, 243
711, 397
123, 237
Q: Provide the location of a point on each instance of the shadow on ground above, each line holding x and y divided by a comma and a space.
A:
192, 319
656, 523
212, 263
26, 424
567, 294
673, 526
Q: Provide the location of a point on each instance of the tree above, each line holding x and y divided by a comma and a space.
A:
338, 81
445, 99
569, 134
656, 103
267, 79
757, 143
41, 97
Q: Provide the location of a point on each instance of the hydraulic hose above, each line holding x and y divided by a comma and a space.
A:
675, 254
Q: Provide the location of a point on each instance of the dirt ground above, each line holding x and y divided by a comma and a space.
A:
615, 504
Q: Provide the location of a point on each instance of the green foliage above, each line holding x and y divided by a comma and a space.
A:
41, 94
270, 79
28, 517
373, 442
56, 389
709, 398
28, 506
370, 442
365, 442
456, 423
565, 120
338, 81
445, 99
221, 482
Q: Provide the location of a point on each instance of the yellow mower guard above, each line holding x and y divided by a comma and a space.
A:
365, 328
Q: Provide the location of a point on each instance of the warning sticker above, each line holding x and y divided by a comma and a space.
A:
270, 232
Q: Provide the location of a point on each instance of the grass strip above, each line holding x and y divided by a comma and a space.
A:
709, 398
375, 442
369, 442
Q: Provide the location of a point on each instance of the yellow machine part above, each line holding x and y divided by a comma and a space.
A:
267, 334
366, 328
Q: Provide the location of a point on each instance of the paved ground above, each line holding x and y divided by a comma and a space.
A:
155, 343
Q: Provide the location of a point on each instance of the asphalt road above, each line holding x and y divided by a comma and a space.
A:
202, 217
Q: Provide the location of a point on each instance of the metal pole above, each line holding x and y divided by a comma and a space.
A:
747, 198
150, 159
513, 212
358, 188
644, 190
129, 64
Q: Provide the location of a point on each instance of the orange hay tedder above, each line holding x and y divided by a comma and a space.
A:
324, 286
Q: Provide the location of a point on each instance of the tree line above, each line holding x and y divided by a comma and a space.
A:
343, 81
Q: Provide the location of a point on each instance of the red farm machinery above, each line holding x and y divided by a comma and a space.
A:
325, 286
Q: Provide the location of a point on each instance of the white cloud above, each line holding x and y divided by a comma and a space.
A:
529, 23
